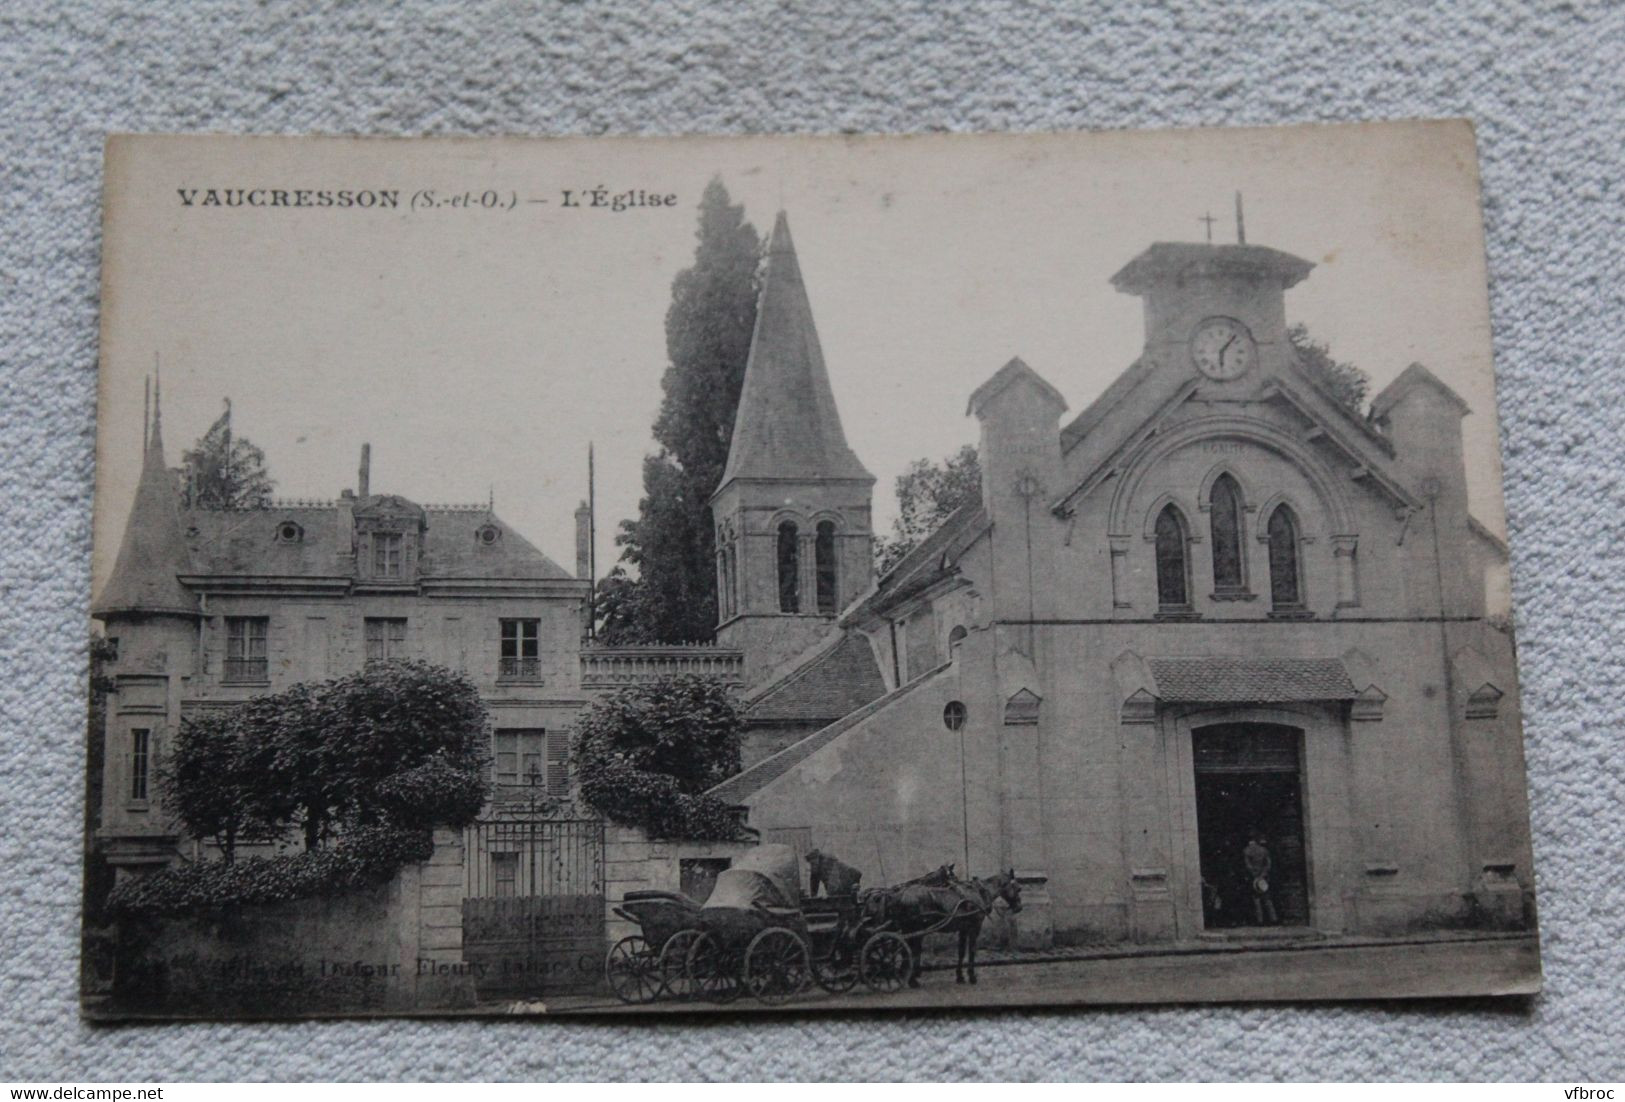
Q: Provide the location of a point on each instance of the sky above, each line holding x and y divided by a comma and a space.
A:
481, 349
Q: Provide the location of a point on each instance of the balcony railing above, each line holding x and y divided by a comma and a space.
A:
246, 670
613, 667
520, 669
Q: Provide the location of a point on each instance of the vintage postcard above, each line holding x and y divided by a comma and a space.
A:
672, 575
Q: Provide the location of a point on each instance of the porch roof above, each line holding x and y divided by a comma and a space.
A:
1233, 679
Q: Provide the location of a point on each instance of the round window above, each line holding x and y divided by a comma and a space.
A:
289, 532
489, 533
953, 715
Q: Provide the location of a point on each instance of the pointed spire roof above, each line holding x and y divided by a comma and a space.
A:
787, 426
154, 549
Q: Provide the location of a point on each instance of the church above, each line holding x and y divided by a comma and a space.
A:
1215, 606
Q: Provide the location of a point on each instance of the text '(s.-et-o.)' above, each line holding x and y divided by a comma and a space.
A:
599, 198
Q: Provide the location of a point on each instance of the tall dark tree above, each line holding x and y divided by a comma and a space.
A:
222, 471
671, 545
1343, 381
926, 493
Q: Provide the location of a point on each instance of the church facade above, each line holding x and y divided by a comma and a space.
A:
1216, 607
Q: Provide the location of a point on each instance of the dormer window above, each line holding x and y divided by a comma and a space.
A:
386, 554
289, 532
488, 534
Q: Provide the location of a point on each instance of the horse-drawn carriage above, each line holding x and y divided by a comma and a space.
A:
756, 934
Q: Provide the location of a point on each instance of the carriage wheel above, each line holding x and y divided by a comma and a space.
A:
712, 971
776, 965
673, 964
885, 962
838, 972
629, 969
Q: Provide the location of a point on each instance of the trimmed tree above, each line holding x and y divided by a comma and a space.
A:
664, 591
375, 760
647, 754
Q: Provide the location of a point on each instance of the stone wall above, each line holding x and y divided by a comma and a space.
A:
392, 947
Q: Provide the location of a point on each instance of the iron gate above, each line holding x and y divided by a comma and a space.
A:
533, 906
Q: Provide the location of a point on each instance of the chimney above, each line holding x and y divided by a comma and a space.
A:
364, 478
583, 541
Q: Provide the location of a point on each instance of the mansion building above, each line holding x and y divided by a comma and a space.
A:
207, 608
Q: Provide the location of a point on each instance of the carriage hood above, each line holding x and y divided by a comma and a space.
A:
767, 875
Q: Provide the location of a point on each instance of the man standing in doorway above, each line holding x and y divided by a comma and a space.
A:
1257, 859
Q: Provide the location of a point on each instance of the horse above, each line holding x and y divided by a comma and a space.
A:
960, 907
836, 877
877, 903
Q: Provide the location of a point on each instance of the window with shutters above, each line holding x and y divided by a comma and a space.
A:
521, 653
386, 639
558, 763
532, 757
245, 649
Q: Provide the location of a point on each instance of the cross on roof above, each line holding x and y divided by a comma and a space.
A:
1209, 219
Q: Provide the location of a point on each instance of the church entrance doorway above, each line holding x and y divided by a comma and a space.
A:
1249, 785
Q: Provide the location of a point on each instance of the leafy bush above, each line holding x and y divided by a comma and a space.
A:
647, 754
367, 855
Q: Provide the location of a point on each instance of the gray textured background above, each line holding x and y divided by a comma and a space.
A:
1546, 87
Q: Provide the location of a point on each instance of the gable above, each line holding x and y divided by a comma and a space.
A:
1280, 418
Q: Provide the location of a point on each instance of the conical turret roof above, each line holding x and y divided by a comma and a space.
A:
787, 426
154, 552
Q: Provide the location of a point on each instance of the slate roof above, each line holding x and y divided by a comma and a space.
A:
787, 426
740, 786
153, 549
923, 566
841, 680
1233, 679
245, 543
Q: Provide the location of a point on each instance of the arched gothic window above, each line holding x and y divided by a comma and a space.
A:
824, 560
1173, 566
789, 568
1224, 504
1286, 591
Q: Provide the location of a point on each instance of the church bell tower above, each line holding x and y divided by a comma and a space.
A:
792, 513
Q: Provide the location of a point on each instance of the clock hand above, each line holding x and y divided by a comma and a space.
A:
1225, 347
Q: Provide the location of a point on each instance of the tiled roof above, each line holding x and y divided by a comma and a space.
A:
738, 788
1230, 679
787, 426
840, 680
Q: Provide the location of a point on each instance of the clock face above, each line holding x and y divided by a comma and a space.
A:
1223, 349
